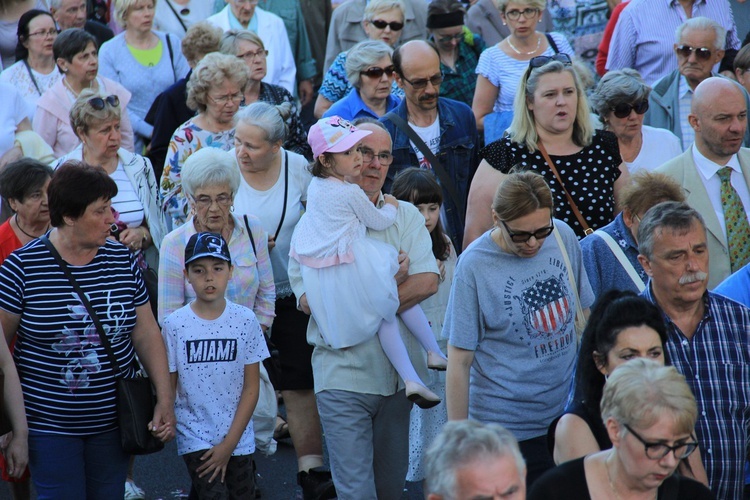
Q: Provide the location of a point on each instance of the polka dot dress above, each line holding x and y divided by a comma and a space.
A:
589, 176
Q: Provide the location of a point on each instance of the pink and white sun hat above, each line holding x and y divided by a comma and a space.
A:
334, 135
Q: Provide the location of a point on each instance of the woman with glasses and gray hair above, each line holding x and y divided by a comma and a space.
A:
510, 320
501, 66
649, 413
216, 90
621, 101
248, 47
370, 71
384, 21
552, 134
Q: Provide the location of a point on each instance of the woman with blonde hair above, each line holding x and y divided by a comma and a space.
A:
216, 90
511, 317
552, 134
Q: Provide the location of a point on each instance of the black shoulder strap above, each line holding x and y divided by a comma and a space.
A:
94, 317
31, 75
550, 40
250, 234
171, 55
286, 194
437, 167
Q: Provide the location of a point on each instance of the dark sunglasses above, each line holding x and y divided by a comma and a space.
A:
523, 236
376, 72
98, 103
435, 80
381, 25
701, 53
539, 61
459, 37
623, 110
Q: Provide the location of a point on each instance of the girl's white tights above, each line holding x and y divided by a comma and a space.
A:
393, 345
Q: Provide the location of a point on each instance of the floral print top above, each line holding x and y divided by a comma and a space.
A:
186, 140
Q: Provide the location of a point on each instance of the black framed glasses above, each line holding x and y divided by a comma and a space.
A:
377, 72
435, 80
701, 53
50, 33
384, 159
657, 451
381, 25
524, 236
539, 61
528, 13
98, 103
623, 110
459, 37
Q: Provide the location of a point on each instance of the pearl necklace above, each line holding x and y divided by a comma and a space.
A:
538, 44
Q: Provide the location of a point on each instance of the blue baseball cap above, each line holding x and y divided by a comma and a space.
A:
202, 245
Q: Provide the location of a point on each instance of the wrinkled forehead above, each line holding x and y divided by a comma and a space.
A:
379, 141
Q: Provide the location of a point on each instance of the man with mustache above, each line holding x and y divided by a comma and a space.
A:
699, 46
445, 126
715, 174
707, 338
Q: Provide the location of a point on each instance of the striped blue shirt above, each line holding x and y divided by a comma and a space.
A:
645, 34
67, 380
716, 364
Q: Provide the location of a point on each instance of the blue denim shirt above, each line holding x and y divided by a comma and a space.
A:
458, 154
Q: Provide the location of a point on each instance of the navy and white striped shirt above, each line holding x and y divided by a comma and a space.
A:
644, 36
716, 366
67, 381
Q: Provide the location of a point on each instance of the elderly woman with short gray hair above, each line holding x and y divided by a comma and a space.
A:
248, 47
215, 90
210, 180
273, 187
621, 101
370, 71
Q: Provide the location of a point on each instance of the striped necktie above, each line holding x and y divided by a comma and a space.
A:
735, 220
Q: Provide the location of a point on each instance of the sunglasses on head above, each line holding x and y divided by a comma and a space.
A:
539, 61
701, 53
381, 25
623, 110
98, 103
377, 72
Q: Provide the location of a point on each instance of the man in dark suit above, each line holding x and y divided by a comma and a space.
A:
72, 14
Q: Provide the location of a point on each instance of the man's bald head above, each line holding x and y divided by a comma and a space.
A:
719, 118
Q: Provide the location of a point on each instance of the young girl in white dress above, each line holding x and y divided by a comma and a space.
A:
348, 277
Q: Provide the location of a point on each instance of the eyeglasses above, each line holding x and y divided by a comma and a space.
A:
51, 33
657, 451
252, 55
435, 80
528, 13
223, 200
459, 37
623, 110
249, 2
98, 103
539, 61
224, 99
381, 25
523, 236
701, 53
377, 72
384, 159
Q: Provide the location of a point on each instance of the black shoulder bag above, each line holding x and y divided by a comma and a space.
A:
135, 396
437, 167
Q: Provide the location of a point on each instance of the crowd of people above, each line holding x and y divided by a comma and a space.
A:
438, 232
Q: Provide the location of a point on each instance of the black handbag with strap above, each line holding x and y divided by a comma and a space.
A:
135, 397
445, 181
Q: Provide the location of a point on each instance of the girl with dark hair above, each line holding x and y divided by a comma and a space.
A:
622, 326
420, 188
34, 71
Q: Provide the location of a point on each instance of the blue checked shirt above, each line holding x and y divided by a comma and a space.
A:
716, 365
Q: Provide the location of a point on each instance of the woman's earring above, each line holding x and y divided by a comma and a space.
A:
231, 209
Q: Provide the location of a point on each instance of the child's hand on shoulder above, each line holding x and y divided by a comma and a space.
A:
215, 461
390, 200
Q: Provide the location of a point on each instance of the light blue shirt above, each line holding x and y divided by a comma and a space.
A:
352, 106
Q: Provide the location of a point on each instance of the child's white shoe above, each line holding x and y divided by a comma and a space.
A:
436, 361
421, 395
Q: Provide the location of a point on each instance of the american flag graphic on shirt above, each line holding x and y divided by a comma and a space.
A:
546, 306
